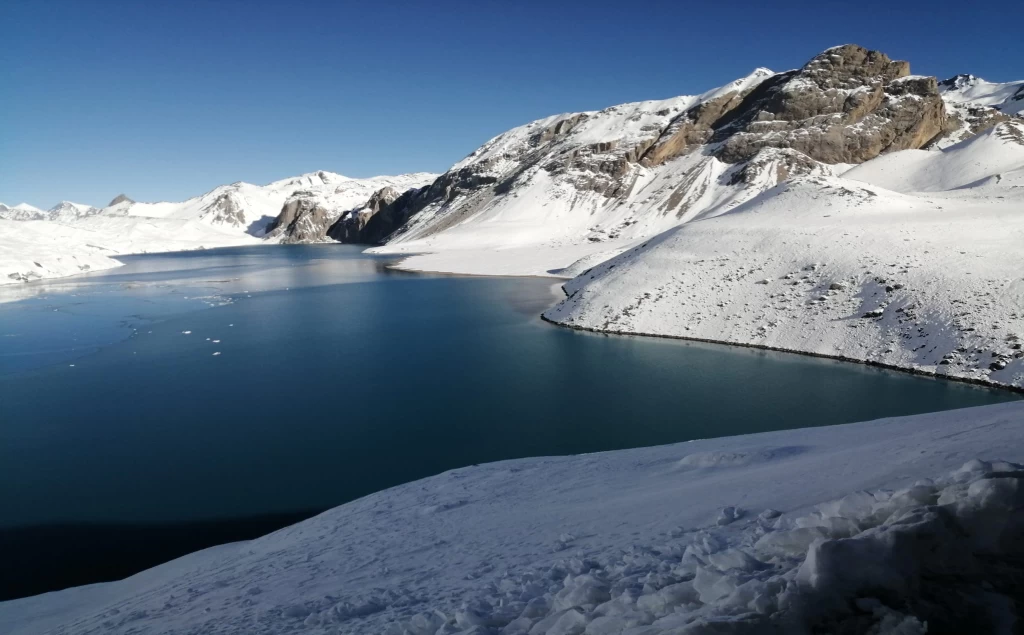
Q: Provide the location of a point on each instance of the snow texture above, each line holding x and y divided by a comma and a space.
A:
876, 527
969, 90
564, 205
911, 260
72, 238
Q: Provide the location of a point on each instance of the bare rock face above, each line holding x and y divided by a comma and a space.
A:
377, 213
302, 220
847, 105
775, 165
120, 198
693, 128
226, 209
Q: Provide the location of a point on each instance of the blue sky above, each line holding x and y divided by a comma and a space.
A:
166, 100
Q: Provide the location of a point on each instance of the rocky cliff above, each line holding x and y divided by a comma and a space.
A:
340, 210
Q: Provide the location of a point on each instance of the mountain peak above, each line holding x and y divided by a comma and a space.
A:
120, 198
958, 82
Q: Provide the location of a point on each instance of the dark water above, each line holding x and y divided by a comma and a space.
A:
338, 377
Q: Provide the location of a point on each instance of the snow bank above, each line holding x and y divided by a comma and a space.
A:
833, 266
40, 249
47, 249
834, 528
945, 552
996, 151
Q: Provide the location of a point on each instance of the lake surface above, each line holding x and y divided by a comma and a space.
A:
202, 389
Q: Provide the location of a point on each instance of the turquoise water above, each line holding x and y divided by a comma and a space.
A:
338, 377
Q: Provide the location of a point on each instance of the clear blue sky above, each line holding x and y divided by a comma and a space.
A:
166, 100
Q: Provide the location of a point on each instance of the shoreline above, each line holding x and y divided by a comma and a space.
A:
1019, 390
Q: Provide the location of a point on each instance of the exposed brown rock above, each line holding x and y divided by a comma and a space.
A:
847, 105
302, 220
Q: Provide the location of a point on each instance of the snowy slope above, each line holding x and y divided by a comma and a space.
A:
681, 538
577, 202
251, 207
40, 249
77, 237
21, 211
969, 90
46, 249
927, 281
991, 154
66, 211
591, 191
575, 188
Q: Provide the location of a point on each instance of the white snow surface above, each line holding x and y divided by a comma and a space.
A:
1008, 97
555, 218
930, 281
762, 533
46, 249
72, 238
250, 207
21, 211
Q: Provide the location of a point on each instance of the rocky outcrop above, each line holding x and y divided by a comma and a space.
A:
776, 166
302, 220
336, 207
352, 226
693, 128
847, 105
120, 198
226, 209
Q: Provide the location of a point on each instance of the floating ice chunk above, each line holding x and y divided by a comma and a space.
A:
789, 543
216, 354
727, 515
735, 559
582, 591
186, 332
666, 599
713, 586
572, 622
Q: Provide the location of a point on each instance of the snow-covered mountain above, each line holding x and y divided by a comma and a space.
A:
252, 208
587, 185
911, 260
969, 90
71, 238
973, 105
21, 211
313, 203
